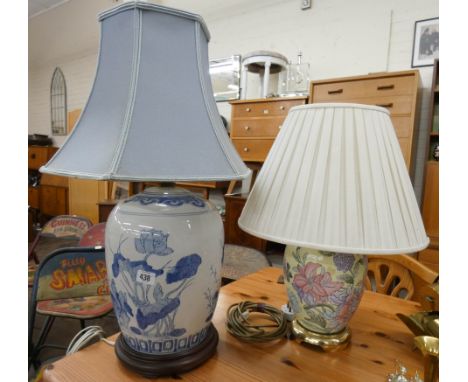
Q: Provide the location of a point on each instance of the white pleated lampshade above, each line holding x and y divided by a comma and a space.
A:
335, 180
151, 114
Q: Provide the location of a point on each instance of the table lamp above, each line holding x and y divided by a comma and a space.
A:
151, 116
333, 188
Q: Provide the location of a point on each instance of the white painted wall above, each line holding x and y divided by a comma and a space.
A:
337, 37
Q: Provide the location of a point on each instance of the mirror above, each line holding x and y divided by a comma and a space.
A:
58, 103
225, 78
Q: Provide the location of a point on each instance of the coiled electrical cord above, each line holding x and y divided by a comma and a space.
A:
239, 326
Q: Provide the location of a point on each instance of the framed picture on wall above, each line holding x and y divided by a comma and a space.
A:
426, 42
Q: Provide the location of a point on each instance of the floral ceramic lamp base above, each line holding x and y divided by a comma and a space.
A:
164, 251
324, 290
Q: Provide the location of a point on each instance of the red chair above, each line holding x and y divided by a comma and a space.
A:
94, 237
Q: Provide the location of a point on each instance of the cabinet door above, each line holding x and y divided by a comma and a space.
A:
234, 235
253, 150
430, 258
431, 201
84, 197
53, 200
33, 197
278, 107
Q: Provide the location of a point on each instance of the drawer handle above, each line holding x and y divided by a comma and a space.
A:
279, 127
33, 156
247, 128
246, 149
265, 111
385, 104
282, 107
386, 87
247, 109
337, 91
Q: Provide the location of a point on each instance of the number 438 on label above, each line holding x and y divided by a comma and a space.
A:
145, 277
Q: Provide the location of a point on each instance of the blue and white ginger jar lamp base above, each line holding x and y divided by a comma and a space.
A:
164, 251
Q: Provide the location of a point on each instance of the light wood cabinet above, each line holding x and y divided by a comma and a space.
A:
85, 195
33, 197
396, 91
39, 155
233, 234
363, 86
53, 195
431, 201
256, 123
430, 204
53, 200
253, 150
430, 258
50, 198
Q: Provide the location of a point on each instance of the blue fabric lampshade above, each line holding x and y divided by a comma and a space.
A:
151, 114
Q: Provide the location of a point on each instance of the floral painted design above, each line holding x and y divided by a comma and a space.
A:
343, 261
121, 307
147, 303
153, 242
157, 317
314, 284
185, 268
287, 271
293, 301
131, 268
167, 200
348, 300
324, 288
212, 296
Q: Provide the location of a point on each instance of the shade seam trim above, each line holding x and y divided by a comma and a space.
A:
201, 78
89, 175
132, 94
157, 8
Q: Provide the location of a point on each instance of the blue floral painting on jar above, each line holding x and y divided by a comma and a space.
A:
151, 297
153, 242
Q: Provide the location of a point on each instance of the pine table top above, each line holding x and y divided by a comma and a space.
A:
378, 339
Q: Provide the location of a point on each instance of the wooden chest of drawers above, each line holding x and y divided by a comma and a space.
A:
39, 155
256, 123
233, 234
396, 91
33, 197
51, 197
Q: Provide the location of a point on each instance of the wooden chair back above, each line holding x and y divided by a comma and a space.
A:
400, 276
